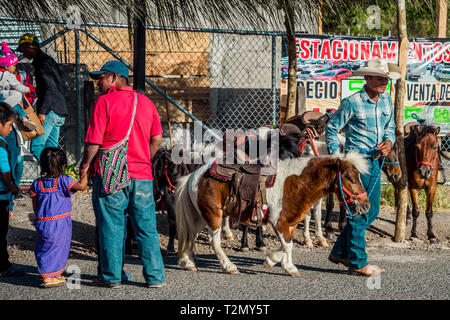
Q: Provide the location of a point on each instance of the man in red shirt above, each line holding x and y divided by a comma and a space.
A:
109, 124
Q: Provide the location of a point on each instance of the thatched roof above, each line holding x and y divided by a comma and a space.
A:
232, 14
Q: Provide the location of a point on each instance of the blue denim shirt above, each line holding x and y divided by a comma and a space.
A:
366, 123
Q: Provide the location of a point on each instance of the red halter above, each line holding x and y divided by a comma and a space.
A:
425, 162
352, 197
171, 186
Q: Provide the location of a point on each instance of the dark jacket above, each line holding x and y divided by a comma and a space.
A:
49, 87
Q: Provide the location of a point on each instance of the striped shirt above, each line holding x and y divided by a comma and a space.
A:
366, 123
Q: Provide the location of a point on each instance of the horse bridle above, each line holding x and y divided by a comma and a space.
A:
352, 197
425, 162
171, 188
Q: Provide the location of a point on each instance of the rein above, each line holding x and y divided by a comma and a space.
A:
312, 141
302, 146
171, 186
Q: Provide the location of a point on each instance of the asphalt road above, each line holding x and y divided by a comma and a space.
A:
411, 274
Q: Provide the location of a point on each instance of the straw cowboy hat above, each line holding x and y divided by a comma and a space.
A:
380, 68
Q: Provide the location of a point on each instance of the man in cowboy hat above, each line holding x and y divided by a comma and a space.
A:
367, 118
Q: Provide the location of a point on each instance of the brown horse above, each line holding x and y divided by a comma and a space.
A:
201, 201
421, 147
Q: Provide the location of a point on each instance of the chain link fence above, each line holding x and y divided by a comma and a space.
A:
222, 79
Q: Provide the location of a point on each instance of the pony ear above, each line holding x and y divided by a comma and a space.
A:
436, 132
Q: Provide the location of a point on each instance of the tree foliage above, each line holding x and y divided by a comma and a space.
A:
420, 15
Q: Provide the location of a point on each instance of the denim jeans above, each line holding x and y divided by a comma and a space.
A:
138, 199
52, 126
351, 243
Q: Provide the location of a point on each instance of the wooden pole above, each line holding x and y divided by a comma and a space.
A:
319, 17
168, 119
401, 186
441, 18
289, 23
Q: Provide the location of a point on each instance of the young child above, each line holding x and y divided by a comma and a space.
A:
7, 186
52, 207
11, 88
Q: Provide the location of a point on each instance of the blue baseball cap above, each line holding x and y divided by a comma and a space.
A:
111, 66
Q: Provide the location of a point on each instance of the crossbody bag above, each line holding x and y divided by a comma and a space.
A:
113, 162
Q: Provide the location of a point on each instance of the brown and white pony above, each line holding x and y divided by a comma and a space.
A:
200, 202
422, 165
393, 172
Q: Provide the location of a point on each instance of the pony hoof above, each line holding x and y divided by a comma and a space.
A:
323, 243
235, 271
294, 274
434, 241
309, 244
261, 249
267, 265
245, 249
229, 238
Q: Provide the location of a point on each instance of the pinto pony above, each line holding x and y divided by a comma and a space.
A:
393, 172
422, 148
200, 202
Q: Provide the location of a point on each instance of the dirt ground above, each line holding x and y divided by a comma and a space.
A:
22, 234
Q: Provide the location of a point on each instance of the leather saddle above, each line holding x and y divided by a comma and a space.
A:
246, 182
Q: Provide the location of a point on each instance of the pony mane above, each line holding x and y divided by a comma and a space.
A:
356, 159
427, 130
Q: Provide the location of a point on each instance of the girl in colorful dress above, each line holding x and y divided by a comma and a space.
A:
52, 207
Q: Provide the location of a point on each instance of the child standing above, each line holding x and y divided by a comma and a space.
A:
7, 186
52, 207
11, 88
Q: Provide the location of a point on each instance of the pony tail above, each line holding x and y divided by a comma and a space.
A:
189, 223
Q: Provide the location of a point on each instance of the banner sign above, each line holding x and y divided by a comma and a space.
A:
325, 65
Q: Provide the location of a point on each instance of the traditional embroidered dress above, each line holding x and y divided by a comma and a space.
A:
53, 223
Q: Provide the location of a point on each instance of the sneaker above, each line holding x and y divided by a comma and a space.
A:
156, 285
99, 282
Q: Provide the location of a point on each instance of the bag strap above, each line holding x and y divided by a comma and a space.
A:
134, 114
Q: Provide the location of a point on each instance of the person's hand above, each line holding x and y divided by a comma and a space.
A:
41, 118
14, 189
385, 147
84, 171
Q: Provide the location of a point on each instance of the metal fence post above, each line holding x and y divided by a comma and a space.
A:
78, 88
274, 79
